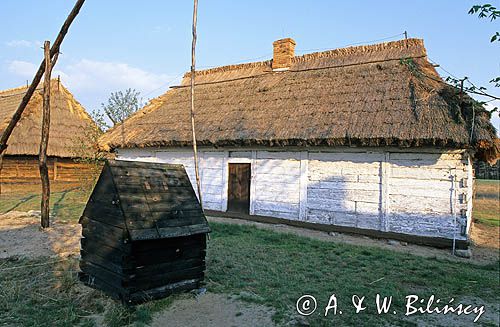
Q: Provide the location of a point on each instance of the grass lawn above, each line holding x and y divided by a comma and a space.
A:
262, 266
266, 267
486, 204
66, 200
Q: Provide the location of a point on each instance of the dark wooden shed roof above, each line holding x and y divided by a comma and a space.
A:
147, 200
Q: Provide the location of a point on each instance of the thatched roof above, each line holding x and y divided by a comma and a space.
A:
383, 94
69, 122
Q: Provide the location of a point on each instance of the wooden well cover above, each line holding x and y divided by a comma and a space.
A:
143, 231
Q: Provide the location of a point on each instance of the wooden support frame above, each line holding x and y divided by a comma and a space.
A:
384, 182
44, 142
193, 71
304, 180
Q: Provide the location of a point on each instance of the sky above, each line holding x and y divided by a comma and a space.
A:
146, 45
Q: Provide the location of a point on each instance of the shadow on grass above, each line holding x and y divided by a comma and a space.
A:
21, 202
58, 205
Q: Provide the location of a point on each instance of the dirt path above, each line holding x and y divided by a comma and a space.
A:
480, 254
20, 235
214, 310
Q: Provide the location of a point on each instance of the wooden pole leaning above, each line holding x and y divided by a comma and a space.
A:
193, 70
44, 142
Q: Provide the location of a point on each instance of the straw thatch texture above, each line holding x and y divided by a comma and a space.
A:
69, 122
369, 95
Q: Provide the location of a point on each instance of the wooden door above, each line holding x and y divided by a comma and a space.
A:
238, 199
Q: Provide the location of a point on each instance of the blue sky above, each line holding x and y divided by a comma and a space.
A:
145, 45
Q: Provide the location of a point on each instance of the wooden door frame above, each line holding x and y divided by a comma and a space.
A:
249, 183
229, 160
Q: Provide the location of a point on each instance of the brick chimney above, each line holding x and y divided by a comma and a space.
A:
283, 52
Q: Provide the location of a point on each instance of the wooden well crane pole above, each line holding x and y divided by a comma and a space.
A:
44, 142
38, 76
193, 65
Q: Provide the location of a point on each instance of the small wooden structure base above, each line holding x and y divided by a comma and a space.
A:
144, 233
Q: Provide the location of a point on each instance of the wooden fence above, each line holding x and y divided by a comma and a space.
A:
485, 171
24, 170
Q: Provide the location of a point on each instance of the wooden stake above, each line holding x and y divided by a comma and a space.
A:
193, 63
38, 76
44, 172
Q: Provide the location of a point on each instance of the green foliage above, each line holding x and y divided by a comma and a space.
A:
496, 80
485, 11
412, 66
491, 12
100, 120
471, 88
121, 105
495, 37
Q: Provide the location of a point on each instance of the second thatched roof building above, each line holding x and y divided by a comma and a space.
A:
73, 136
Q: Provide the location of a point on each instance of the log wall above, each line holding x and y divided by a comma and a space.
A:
24, 169
426, 192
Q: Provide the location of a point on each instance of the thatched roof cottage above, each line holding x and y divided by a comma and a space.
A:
364, 139
70, 127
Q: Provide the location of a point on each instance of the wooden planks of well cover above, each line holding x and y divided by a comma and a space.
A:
144, 233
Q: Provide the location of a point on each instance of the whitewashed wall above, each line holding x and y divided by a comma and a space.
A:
422, 193
277, 184
428, 193
345, 189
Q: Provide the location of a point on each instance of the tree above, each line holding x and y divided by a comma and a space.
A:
483, 11
488, 11
121, 105
86, 150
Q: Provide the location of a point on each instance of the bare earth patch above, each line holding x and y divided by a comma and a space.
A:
486, 236
214, 310
20, 235
486, 242
489, 318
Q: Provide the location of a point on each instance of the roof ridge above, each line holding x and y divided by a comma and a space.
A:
363, 49
226, 68
62, 90
339, 52
39, 86
13, 89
